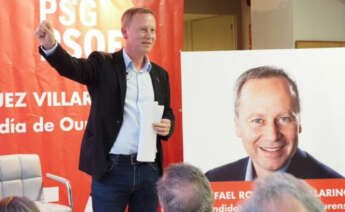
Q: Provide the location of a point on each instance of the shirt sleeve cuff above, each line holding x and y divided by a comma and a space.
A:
49, 51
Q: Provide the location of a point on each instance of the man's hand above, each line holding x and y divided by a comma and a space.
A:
162, 128
45, 35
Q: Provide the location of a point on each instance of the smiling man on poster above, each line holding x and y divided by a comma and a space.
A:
267, 119
121, 85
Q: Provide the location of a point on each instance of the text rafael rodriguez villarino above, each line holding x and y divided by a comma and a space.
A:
15, 100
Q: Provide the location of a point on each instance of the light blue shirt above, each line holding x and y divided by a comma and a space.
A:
139, 91
250, 168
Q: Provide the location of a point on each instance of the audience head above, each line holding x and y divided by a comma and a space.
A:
184, 188
282, 192
17, 204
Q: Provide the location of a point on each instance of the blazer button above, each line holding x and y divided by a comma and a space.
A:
118, 122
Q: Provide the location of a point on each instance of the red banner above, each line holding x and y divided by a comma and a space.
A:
43, 113
229, 195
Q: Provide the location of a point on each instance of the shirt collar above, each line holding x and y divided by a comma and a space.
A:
129, 63
251, 174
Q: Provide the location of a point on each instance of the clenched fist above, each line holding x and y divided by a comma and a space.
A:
45, 35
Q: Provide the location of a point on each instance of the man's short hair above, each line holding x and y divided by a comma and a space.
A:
184, 188
17, 204
128, 15
276, 187
264, 72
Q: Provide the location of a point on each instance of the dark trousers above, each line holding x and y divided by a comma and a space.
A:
126, 183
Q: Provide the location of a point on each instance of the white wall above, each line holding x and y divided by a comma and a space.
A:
279, 23
272, 24
319, 20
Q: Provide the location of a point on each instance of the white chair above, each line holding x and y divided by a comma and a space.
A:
88, 206
21, 175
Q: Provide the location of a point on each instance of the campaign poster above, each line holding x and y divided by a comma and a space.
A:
208, 82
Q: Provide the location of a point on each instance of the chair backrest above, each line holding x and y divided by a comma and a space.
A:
21, 175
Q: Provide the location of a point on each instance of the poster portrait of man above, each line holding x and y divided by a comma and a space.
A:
267, 120
266, 111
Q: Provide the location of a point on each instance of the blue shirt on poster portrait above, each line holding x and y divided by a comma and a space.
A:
250, 172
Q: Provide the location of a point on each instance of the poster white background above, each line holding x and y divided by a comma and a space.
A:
208, 80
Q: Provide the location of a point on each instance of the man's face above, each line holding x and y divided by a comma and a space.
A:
140, 34
267, 124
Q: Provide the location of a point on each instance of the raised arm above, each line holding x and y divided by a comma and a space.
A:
45, 35
77, 69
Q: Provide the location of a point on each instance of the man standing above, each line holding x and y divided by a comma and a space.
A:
267, 109
120, 84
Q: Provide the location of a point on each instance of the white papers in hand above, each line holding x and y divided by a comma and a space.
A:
150, 113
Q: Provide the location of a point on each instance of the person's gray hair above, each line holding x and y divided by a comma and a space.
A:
17, 204
264, 72
275, 188
184, 188
128, 15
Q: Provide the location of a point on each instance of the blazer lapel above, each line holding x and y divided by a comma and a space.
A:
120, 70
155, 83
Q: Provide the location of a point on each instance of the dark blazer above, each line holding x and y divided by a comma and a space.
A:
302, 165
104, 75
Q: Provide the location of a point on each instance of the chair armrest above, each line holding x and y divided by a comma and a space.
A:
68, 186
